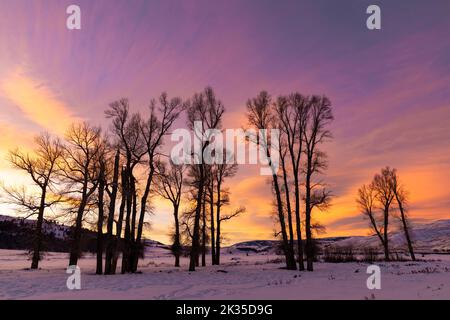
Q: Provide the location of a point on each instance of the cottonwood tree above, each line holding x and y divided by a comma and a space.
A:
226, 216
102, 180
384, 191
285, 190
41, 166
112, 189
210, 189
291, 115
401, 197
153, 131
188, 216
169, 185
366, 201
126, 128
222, 171
384, 195
205, 238
260, 117
79, 171
206, 110
319, 117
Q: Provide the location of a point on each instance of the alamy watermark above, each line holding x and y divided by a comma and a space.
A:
73, 21
231, 146
74, 280
374, 280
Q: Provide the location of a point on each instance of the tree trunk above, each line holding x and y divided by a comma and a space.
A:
288, 208
408, 239
142, 216
213, 231
119, 223
101, 191
134, 245
218, 205
289, 255
112, 209
37, 244
176, 244
386, 236
217, 262
204, 230
309, 244
75, 249
295, 168
406, 229
196, 233
301, 264
127, 234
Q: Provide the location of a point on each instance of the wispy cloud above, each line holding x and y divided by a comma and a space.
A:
37, 102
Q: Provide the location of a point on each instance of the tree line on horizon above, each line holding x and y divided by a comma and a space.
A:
107, 179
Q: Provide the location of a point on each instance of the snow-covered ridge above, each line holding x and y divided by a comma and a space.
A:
59, 231
428, 238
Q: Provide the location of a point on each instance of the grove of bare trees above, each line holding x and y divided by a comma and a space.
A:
303, 123
107, 179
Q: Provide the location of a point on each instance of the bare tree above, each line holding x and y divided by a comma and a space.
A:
119, 224
291, 114
223, 170
319, 116
169, 185
126, 128
384, 195
41, 166
260, 117
221, 219
285, 190
367, 204
210, 189
205, 109
112, 194
101, 214
205, 237
153, 131
79, 171
401, 197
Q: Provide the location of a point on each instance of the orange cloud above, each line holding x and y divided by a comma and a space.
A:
37, 102
11, 137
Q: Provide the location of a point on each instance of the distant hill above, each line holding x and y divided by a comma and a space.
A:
428, 238
271, 246
17, 233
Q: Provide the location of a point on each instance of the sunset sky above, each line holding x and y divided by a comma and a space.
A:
390, 89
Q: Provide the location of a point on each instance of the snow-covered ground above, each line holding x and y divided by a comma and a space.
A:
242, 276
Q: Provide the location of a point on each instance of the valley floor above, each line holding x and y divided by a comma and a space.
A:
240, 277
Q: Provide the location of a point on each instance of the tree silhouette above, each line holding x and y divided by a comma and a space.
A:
169, 185
79, 170
207, 110
42, 167
319, 116
259, 116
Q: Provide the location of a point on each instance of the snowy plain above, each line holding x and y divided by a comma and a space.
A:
241, 276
